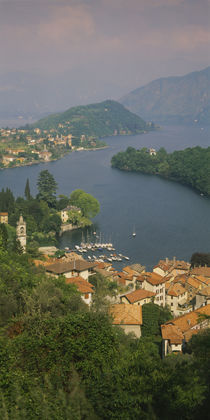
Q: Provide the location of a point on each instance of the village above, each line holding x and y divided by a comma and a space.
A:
172, 284
19, 147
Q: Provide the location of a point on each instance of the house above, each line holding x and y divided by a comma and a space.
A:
71, 268
6, 159
84, 287
176, 295
4, 217
128, 317
124, 279
202, 297
152, 152
173, 267
156, 284
65, 212
177, 332
138, 297
45, 155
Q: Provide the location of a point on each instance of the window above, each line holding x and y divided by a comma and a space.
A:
86, 295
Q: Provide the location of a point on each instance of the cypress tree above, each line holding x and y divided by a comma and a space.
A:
27, 190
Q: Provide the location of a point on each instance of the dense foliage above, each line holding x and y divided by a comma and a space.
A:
190, 166
42, 213
61, 360
98, 120
200, 259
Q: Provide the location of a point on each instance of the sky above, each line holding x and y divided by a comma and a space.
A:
105, 45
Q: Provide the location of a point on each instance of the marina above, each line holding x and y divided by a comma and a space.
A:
91, 252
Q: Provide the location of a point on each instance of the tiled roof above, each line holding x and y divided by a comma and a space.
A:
189, 320
63, 266
194, 282
167, 265
129, 270
154, 278
205, 291
138, 294
201, 271
176, 290
83, 285
125, 314
172, 333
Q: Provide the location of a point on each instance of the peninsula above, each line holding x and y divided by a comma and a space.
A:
78, 128
189, 166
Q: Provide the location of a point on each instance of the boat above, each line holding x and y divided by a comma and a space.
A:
134, 232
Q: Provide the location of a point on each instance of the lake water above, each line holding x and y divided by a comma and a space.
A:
169, 219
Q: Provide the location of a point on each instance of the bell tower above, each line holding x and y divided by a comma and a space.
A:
21, 232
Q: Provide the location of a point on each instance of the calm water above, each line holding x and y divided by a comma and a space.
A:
169, 219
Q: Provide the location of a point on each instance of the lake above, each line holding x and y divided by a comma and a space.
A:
169, 219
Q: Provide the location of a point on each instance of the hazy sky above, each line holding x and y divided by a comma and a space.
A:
125, 43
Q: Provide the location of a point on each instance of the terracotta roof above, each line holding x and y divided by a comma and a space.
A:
205, 291
194, 282
140, 279
201, 271
3, 214
65, 266
102, 265
167, 265
176, 290
202, 279
130, 271
154, 278
83, 285
125, 314
189, 320
181, 278
172, 333
137, 295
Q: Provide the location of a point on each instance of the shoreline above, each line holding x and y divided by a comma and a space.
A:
54, 160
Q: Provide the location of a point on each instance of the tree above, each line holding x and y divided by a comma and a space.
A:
47, 187
27, 190
3, 236
88, 204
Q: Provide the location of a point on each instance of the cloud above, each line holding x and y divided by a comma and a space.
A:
70, 23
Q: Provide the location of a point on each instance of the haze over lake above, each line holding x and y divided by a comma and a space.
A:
170, 219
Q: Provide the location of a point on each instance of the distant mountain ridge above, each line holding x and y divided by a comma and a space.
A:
98, 120
181, 99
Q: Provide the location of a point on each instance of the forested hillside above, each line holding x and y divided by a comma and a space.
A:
98, 120
190, 166
61, 360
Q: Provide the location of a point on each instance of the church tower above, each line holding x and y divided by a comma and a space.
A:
21, 232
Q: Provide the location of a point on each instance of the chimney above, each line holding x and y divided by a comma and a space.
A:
166, 260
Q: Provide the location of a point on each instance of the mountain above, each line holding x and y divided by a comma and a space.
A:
181, 99
98, 120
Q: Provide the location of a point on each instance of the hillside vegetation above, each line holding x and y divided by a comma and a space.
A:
190, 166
98, 120
61, 360
173, 99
